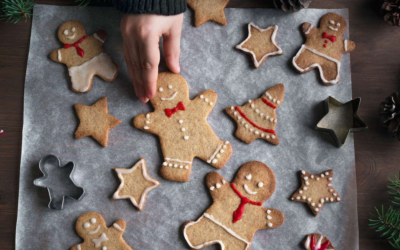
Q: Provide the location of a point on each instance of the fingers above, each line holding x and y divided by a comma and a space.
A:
149, 52
172, 44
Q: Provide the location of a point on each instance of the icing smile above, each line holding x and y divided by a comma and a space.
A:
71, 37
248, 190
95, 231
332, 28
169, 98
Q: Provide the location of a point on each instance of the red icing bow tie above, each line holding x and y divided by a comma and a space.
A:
326, 36
237, 215
76, 45
170, 112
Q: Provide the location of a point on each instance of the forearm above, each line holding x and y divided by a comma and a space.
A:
160, 7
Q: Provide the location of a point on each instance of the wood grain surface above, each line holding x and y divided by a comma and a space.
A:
375, 75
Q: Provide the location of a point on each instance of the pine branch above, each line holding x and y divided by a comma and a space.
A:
388, 224
14, 10
394, 190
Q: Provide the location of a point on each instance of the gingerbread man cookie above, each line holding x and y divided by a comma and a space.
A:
97, 236
84, 56
317, 242
182, 127
237, 211
324, 48
257, 118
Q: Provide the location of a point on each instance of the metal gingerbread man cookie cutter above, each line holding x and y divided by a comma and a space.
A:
58, 181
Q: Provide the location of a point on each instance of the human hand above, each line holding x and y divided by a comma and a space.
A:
141, 35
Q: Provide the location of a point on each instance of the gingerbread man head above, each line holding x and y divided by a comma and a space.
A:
334, 24
90, 225
171, 89
71, 31
256, 181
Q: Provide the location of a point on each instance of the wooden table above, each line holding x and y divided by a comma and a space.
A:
376, 72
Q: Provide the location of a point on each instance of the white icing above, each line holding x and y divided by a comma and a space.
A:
121, 171
73, 29
169, 98
118, 227
71, 37
86, 225
273, 39
210, 217
183, 129
332, 28
212, 188
345, 45
170, 86
303, 172
161, 89
223, 181
318, 246
146, 127
78, 247
82, 75
95, 231
147, 116
65, 32
269, 211
206, 100
338, 24
248, 190
201, 96
332, 22
215, 152
97, 242
180, 121
304, 47
186, 137
59, 55
307, 243
214, 161
218, 185
248, 177
270, 224
326, 173
93, 220
269, 217
98, 38
309, 29
177, 160
330, 178
104, 248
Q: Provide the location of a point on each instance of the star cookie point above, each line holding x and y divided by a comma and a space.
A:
208, 10
135, 184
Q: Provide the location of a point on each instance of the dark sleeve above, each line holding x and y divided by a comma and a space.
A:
160, 7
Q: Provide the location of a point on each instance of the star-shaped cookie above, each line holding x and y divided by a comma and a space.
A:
95, 121
316, 190
261, 43
208, 10
135, 184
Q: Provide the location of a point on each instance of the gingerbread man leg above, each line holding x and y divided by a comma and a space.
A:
216, 153
194, 233
308, 60
106, 68
177, 163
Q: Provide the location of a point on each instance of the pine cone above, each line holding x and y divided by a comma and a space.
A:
390, 10
291, 5
389, 111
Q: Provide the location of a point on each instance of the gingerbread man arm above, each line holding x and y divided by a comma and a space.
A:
271, 218
206, 101
308, 29
101, 36
349, 46
144, 123
216, 184
74, 248
119, 226
57, 55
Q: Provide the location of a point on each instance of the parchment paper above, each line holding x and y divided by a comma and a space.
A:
208, 61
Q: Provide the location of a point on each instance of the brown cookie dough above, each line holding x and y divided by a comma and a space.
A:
208, 10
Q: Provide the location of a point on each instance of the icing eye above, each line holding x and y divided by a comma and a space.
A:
248, 177
86, 225
65, 32
73, 29
161, 89
332, 22
338, 24
170, 86
104, 248
260, 184
93, 220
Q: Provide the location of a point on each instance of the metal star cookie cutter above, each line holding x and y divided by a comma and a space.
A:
341, 119
58, 181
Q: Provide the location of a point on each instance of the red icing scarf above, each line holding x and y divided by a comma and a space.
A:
237, 215
79, 50
170, 112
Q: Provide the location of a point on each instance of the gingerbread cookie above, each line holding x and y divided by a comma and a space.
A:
135, 184
92, 228
182, 126
316, 190
208, 10
237, 211
260, 44
317, 242
95, 121
84, 56
257, 118
324, 48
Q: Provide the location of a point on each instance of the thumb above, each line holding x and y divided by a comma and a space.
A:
172, 49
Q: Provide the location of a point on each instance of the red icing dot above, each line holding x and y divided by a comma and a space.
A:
326, 41
324, 45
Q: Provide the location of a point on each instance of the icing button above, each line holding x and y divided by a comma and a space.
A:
212, 188
218, 185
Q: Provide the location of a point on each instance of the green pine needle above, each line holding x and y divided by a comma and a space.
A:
14, 10
388, 224
394, 190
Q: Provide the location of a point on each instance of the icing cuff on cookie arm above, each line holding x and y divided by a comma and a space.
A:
308, 29
57, 55
215, 183
348, 46
101, 36
119, 226
145, 123
208, 99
